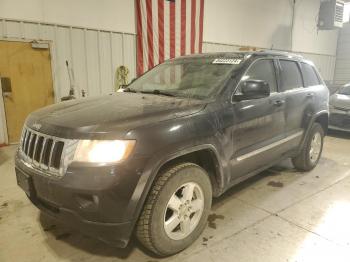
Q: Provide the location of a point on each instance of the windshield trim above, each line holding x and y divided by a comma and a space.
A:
213, 91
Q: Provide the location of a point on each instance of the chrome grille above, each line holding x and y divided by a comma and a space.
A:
45, 153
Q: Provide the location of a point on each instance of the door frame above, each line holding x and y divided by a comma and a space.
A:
3, 122
3, 131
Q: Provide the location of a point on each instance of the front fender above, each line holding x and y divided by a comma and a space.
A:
151, 171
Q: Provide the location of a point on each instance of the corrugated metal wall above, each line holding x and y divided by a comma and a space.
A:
342, 68
324, 63
94, 54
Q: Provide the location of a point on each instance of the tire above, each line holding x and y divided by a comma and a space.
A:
307, 160
173, 184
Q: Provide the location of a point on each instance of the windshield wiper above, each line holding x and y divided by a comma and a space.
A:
157, 92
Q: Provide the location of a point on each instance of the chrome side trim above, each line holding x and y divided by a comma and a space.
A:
338, 128
268, 147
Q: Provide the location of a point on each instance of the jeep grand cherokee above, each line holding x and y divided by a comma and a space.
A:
150, 159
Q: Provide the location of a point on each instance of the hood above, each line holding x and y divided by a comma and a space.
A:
340, 101
109, 116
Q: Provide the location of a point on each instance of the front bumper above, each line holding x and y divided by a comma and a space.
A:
339, 120
98, 201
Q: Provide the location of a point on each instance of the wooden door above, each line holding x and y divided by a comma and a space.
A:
27, 83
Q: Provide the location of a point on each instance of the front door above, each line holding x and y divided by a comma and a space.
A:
259, 123
26, 82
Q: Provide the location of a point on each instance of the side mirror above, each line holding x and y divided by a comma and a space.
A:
253, 89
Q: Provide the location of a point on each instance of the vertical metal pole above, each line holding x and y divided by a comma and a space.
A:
3, 122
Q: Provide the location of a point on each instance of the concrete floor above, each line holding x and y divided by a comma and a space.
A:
280, 215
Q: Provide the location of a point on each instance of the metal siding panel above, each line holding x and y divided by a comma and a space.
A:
92, 62
130, 54
2, 28
31, 31
117, 53
47, 32
105, 63
78, 58
63, 54
13, 29
342, 69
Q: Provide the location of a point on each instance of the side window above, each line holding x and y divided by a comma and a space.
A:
263, 70
309, 75
290, 74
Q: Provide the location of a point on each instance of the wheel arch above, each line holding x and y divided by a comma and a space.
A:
321, 118
147, 180
204, 156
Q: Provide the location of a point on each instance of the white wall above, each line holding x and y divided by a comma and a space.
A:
111, 15
267, 24
257, 23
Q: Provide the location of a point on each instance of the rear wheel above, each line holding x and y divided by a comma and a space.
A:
176, 210
311, 153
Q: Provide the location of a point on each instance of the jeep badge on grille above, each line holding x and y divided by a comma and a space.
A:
36, 126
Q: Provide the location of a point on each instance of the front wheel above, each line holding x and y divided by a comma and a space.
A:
176, 210
311, 153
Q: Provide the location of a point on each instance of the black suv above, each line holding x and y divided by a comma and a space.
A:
149, 160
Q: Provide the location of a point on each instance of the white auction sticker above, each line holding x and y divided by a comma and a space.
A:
227, 61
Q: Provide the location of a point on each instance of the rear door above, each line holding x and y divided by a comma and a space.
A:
315, 96
298, 99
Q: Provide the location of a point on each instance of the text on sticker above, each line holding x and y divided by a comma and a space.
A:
227, 61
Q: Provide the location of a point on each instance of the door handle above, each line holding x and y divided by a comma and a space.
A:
278, 102
310, 95
6, 87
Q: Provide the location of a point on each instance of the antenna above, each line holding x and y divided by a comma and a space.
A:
71, 84
71, 79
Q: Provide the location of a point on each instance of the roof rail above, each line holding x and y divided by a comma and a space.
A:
282, 53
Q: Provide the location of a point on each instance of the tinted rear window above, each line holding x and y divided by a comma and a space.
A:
291, 77
309, 74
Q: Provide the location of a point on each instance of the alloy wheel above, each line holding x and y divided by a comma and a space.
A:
315, 147
184, 211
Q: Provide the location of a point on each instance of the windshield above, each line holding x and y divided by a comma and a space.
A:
345, 90
196, 77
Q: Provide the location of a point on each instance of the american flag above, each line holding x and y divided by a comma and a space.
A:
167, 29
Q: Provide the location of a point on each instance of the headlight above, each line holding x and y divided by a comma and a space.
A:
103, 151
